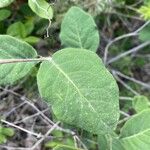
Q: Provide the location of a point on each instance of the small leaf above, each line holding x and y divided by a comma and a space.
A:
52, 144
4, 3
80, 89
12, 48
79, 30
29, 26
2, 139
145, 11
4, 14
144, 35
7, 131
41, 8
32, 39
135, 134
17, 29
140, 103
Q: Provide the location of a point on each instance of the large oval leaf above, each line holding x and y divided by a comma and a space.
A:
135, 133
41, 8
79, 30
4, 3
11, 48
80, 89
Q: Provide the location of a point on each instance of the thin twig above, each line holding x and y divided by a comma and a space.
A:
81, 142
43, 138
23, 98
123, 120
31, 116
124, 113
133, 50
132, 79
126, 98
6, 61
124, 84
38, 135
13, 109
126, 15
135, 33
13, 148
46, 118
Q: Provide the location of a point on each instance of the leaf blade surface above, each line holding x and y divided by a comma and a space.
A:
78, 30
12, 48
80, 89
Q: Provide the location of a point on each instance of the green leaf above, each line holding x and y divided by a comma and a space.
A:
80, 89
4, 14
117, 145
11, 48
32, 39
145, 11
26, 11
140, 103
41, 8
17, 29
2, 139
138, 123
79, 30
147, 2
135, 134
60, 146
4, 132
29, 26
104, 142
4, 3
8, 132
51, 144
144, 35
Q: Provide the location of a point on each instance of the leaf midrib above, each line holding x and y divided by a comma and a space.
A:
74, 85
135, 135
78, 35
70, 80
